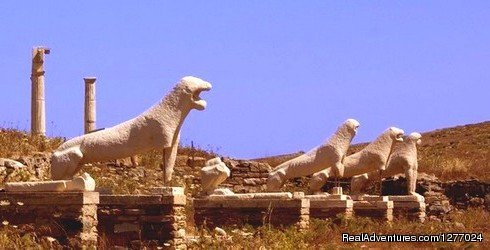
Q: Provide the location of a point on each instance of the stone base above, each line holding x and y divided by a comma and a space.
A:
409, 206
70, 217
376, 207
330, 206
139, 221
82, 183
365, 197
167, 191
278, 209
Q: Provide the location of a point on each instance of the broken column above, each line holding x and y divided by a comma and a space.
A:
38, 114
90, 114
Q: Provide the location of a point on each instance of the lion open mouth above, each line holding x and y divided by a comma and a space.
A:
399, 137
200, 103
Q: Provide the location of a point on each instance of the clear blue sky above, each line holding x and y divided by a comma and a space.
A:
285, 74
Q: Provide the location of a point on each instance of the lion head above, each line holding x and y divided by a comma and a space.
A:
192, 87
415, 137
352, 125
396, 133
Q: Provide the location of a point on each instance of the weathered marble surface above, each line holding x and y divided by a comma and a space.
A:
373, 157
328, 155
213, 173
83, 182
9, 163
157, 128
403, 159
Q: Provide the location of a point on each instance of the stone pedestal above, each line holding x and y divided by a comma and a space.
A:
323, 206
278, 209
376, 207
139, 221
409, 206
70, 217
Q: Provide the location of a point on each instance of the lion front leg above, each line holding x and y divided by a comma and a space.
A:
359, 183
276, 180
169, 157
411, 175
65, 164
338, 170
318, 180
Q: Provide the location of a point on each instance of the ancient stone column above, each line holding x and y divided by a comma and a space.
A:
38, 114
89, 104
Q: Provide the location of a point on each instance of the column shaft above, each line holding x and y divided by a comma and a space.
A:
90, 113
38, 112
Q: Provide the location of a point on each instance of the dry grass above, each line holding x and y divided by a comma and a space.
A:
457, 153
447, 169
324, 234
13, 238
18, 143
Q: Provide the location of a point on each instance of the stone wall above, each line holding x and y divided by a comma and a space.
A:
436, 202
70, 218
246, 176
381, 210
440, 197
139, 221
468, 193
326, 207
36, 168
236, 211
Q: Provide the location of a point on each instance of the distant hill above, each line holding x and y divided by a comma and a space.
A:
449, 153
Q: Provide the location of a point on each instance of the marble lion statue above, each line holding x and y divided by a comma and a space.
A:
373, 157
329, 154
213, 173
156, 128
403, 159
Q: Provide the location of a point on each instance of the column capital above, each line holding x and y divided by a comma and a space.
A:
89, 79
42, 49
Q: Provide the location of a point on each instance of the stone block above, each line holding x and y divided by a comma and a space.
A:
323, 207
50, 198
142, 199
250, 203
167, 191
148, 220
69, 217
409, 206
230, 197
369, 198
248, 209
279, 195
382, 210
406, 198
